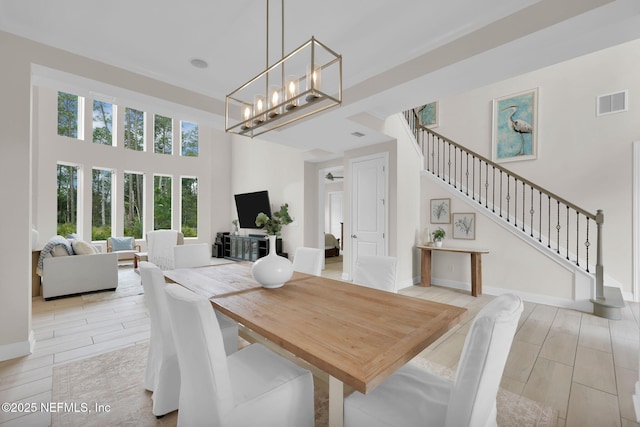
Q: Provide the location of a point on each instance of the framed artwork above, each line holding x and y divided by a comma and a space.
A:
428, 115
515, 127
440, 211
464, 226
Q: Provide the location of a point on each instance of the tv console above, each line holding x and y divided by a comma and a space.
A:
248, 248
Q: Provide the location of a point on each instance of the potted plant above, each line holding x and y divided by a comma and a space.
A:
272, 271
273, 226
235, 227
438, 235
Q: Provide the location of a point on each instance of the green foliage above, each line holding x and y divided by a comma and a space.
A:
134, 230
162, 202
133, 129
438, 234
163, 140
67, 177
189, 231
189, 134
67, 115
273, 225
190, 206
102, 123
101, 233
66, 229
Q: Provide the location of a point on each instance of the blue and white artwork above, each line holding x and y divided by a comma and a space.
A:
515, 127
428, 114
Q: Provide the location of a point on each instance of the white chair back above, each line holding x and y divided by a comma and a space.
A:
308, 260
376, 272
160, 245
187, 256
484, 355
162, 374
206, 397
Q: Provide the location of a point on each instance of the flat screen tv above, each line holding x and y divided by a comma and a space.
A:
249, 205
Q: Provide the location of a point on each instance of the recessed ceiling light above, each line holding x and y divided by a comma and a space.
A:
199, 63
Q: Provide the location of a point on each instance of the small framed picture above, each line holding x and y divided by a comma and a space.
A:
440, 211
428, 115
464, 226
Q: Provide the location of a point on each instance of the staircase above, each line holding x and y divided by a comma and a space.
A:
544, 218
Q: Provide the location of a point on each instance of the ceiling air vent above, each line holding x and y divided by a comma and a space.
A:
613, 103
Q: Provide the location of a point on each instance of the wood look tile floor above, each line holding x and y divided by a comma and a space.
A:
584, 366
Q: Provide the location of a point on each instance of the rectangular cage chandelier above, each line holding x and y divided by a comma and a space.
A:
305, 82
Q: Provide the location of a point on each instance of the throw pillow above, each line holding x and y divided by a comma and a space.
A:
59, 250
80, 247
121, 244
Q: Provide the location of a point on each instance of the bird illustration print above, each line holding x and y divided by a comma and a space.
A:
519, 126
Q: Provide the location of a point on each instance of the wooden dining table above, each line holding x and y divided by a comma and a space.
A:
357, 335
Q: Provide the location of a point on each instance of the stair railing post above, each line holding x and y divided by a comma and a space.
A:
599, 265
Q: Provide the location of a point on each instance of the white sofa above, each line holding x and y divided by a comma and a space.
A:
75, 274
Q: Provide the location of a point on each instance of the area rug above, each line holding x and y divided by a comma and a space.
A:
110, 387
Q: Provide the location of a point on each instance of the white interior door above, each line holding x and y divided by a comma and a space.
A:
368, 207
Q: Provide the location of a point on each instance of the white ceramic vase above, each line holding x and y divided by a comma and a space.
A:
272, 271
438, 243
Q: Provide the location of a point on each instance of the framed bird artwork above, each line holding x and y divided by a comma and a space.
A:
515, 127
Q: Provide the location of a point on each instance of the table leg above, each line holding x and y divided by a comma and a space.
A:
476, 274
336, 402
426, 268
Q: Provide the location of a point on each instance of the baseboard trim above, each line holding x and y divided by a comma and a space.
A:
18, 349
636, 401
581, 305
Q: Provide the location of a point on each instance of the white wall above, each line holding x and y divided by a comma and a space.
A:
583, 158
260, 165
15, 219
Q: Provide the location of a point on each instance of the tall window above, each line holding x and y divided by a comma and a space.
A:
102, 123
133, 202
133, 129
189, 137
101, 204
162, 202
162, 135
190, 207
68, 114
67, 199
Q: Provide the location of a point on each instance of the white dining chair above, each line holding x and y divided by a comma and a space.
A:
413, 396
162, 374
308, 260
198, 255
194, 255
376, 272
251, 387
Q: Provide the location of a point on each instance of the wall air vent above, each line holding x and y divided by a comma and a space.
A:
612, 103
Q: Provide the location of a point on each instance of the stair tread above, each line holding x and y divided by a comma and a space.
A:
612, 298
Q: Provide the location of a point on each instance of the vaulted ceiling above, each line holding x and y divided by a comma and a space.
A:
396, 55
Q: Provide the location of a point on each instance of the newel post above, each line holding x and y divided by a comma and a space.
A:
599, 266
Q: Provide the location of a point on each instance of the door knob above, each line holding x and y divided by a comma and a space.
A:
354, 236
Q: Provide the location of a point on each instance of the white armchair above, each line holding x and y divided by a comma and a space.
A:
251, 387
413, 396
160, 244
